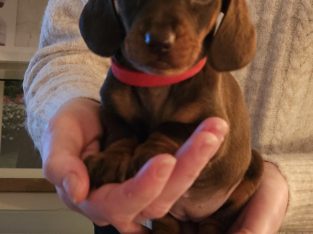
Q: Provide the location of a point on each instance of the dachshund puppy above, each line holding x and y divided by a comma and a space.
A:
170, 64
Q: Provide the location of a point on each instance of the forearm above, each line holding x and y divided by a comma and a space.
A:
62, 69
297, 169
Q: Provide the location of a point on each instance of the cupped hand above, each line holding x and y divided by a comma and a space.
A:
74, 133
266, 210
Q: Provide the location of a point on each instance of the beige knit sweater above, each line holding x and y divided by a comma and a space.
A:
278, 87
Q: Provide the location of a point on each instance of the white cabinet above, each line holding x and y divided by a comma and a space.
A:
36, 212
39, 213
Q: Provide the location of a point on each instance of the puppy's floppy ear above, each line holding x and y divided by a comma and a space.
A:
234, 43
101, 27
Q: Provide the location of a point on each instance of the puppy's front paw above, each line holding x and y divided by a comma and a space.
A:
110, 165
104, 168
157, 143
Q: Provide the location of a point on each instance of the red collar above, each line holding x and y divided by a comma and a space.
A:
140, 79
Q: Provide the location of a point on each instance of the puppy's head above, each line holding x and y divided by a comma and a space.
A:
170, 36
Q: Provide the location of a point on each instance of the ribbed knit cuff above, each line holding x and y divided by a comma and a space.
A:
48, 100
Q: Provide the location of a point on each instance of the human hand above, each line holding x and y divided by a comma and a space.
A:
266, 210
74, 133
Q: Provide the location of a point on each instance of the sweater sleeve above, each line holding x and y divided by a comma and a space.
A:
62, 69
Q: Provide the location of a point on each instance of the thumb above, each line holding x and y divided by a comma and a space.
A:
62, 164
71, 132
68, 173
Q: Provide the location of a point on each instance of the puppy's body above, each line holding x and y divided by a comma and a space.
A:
142, 122
174, 112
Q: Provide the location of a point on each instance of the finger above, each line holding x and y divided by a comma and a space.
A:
121, 203
199, 149
149, 182
265, 211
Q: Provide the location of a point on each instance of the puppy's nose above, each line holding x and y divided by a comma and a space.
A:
160, 41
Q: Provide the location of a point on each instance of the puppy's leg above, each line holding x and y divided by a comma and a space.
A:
166, 139
111, 165
157, 143
118, 144
220, 221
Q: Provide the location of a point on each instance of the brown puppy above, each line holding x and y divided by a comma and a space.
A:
167, 38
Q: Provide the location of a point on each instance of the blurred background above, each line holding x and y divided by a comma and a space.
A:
28, 203
20, 22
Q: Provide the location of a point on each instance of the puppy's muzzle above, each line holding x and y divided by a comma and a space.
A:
160, 41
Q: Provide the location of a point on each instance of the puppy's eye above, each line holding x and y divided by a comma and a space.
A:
201, 2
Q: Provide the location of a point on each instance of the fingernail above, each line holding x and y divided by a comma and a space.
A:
222, 129
165, 169
219, 128
70, 183
212, 139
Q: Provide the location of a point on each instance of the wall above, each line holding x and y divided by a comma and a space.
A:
23, 22
28, 22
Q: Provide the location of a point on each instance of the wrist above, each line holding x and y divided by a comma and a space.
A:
274, 178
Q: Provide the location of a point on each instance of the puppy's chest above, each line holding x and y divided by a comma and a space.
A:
186, 102
139, 107
154, 102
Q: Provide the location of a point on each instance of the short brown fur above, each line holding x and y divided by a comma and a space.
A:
143, 122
